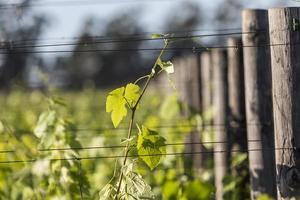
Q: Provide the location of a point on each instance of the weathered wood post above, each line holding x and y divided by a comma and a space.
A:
237, 134
193, 89
206, 79
258, 87
236, 96
285, 54
220, 109
188, 87
206, 85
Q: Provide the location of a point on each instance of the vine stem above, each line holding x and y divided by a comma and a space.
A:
133, 110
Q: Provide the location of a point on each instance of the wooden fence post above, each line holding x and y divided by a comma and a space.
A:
236, 96
220, 103
206, 87
257, 70
285, 54
206, 104
188, 86
194, 102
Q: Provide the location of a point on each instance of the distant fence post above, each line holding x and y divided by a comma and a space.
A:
194, 102
257, 70
236, 96
220, 110
206, 86
188, 86
285, 54
207, 102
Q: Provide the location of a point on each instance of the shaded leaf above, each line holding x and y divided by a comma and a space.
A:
150, 143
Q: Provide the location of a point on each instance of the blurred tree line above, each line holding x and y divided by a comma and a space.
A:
99, 68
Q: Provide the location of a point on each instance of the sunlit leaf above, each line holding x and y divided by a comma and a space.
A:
132, 94
118, 99
116, 104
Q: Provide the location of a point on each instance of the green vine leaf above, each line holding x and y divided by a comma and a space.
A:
156, 36
134, 185
118, 99
116, 104
132, 94
167, 66
150, 143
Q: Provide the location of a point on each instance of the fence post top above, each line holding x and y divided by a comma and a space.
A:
236, 39
277, 9
254, 10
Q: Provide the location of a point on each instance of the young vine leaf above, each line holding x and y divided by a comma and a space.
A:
150, 143
118, 99
167, 66
157, 36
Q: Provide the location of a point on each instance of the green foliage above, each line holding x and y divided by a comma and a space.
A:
264, 197
118, 99
188, 190
30, 181
171, 190
150, 143
236, 184
170, 108
197, 190
59, 178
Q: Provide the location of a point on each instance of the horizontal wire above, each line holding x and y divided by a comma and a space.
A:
123, 36
146, 155
126, 40
129, 38
121, 146
73, 3
157, 127
192, 49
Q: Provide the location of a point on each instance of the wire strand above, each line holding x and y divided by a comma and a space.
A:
74, 3
148, 155
123, 36
122, 146
11, 45
192, 49
170, 126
